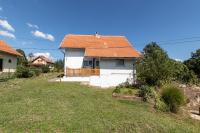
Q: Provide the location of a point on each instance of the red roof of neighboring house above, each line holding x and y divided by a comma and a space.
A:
8, 49
101, 46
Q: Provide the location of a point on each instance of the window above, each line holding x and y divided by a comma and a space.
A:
9, 61
87, 63
120, 62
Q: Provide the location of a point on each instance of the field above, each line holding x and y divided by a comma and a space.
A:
36, 105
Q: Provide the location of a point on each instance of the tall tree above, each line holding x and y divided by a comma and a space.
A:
194, 62
30, 57
155, 66
59, 65
22, 60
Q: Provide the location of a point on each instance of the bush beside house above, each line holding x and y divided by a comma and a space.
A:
154, 70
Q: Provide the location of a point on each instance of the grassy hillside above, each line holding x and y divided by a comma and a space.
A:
35, 105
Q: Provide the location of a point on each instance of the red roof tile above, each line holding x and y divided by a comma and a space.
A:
101, 46
8, 49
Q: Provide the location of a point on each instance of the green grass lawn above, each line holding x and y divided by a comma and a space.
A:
36, 105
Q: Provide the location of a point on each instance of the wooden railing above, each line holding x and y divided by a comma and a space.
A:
82, 72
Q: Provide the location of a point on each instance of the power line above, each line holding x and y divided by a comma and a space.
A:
166, 42
181, 42
187, 38
175, 41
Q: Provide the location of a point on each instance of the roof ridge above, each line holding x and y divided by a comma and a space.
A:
94, 35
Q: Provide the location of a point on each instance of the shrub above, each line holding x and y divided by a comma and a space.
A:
5, 76
31, 73
45, 69
130, 92
160, 104
125, 85
117, 90
173, 97
146, 92
36, 71
23, 72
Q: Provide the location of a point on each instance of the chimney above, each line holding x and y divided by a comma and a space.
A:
97, 35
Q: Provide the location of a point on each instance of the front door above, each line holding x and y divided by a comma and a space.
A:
1, 65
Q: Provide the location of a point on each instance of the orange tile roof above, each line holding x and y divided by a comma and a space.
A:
8, 49
100, 46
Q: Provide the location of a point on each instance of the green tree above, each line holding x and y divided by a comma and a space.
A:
194, 62
155, 66
22, 60
59, 65
183, 74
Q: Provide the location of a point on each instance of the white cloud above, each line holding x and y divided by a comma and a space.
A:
179, 60
6, 25
7, 34
42, 35
32, 25
47, 55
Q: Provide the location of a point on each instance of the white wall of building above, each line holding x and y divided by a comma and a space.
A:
74, 58
111, 74
8, 67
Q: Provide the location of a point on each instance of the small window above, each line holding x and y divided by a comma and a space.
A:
87, 63
9, 61
120, 62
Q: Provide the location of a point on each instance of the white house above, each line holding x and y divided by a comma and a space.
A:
8, 58
98, 60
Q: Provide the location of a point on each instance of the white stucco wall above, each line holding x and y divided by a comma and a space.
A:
8, 67
111, 74
74, 58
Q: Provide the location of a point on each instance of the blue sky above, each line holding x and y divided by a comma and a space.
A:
42, 24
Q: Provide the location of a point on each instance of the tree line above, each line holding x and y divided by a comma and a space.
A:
156, 68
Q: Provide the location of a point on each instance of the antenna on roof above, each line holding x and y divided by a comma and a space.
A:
97, 35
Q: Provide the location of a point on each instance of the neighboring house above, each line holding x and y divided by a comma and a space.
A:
42, 60
99, 60
8, 58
